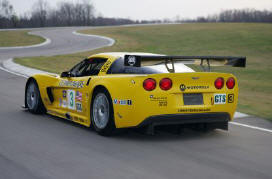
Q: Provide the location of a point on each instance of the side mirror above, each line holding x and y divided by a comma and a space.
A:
66, 74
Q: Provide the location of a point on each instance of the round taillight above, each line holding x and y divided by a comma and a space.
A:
149, 84
219, 83
230, 83
166, 84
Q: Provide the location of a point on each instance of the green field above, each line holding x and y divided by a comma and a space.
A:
233, 39
18, 38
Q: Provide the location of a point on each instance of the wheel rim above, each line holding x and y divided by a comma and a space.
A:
101, 111
31, 96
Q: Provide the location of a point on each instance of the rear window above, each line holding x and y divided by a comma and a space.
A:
118, 67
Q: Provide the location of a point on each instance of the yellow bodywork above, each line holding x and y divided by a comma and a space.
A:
129, 87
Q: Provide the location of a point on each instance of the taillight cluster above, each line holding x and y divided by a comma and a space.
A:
150, 84
219, 83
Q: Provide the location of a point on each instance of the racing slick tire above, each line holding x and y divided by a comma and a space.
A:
102, 117
33, 99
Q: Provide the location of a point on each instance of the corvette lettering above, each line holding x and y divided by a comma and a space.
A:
75, 84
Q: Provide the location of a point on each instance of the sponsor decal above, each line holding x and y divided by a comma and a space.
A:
197, 87
195, 110
129, 102
195, 78
119, 115
219, 98
122, 102
76, 119
212, 101
105, 66
81, 120
183, 87
131, 60
64, 93
71, 96
64, 103
230, 98
78, 96
60, 102
162, 101
75, 84
79, 107
56, 113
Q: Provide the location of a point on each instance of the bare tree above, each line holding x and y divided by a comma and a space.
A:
39, 12
6, 12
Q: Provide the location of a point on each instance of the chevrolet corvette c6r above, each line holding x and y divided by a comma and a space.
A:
124, 90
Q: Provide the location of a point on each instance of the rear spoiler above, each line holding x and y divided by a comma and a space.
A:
204, 61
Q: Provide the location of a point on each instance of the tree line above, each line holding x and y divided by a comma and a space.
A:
83, 13
243, 15
66, 13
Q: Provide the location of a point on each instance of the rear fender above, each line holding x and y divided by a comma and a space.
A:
44, 82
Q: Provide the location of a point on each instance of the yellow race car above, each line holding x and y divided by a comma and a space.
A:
125, 90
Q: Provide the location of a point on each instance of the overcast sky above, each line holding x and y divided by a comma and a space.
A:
156, 9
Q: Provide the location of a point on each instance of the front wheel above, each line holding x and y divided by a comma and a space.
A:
33, 98
102, 113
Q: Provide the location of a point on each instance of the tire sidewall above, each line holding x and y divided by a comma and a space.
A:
110, 126
39, 107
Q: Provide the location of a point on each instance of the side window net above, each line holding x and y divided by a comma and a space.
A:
88, 67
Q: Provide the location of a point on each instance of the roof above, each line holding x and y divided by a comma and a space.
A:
179, 68
122, 54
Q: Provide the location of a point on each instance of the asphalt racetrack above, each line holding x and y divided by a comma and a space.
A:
34, 146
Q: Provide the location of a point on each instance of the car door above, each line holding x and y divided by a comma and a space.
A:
72, 91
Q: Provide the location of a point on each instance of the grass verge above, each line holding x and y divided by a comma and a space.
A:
232, 39
18, 38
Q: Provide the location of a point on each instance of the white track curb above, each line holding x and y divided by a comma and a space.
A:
47, 41
111, 41
20, 70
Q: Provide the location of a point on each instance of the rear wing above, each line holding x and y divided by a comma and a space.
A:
204, 61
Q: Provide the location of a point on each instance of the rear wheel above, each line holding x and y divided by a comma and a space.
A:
102, 113
33, 98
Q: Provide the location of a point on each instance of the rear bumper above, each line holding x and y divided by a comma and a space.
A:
195, 118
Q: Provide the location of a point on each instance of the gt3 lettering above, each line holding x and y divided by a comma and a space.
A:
219, 98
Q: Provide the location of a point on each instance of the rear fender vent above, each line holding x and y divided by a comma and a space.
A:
50, 94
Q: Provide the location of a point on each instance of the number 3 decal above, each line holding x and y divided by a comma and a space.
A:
71, 99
